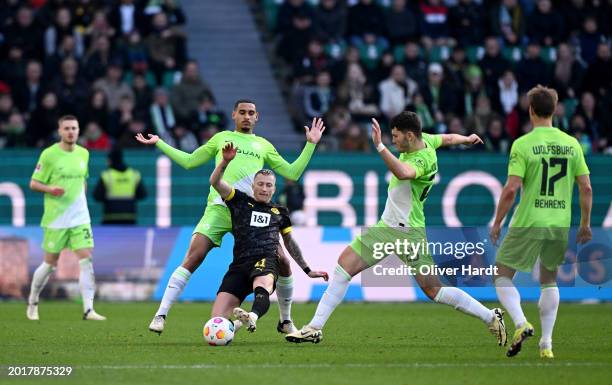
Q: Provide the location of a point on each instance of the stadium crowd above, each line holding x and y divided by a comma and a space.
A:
120, 66
462, 65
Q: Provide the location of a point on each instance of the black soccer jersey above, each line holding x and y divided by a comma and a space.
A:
256, 225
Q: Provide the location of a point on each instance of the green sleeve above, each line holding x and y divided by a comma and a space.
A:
517, 163
581, 166
294, 170
42, 172
418, 164
434, 140
197, 158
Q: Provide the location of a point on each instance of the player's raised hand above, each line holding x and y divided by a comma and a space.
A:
584, 235
229, 152
319, 274
315, 131
376, 133
152, 138
56, 191
473, 140
494, 234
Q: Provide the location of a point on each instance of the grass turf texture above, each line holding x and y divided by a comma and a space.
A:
363, 344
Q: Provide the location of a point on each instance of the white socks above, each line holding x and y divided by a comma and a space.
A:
548, 305
510, 299
176, 284
87, 283
284, 294
39, 280
334, 294
463, 302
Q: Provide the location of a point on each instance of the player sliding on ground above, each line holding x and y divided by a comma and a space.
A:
543, 164
403, 218
256, 223
253, 152
61, 174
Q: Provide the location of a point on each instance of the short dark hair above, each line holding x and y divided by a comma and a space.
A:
242, 101
63, 118
407, 121
543, 101
264, 171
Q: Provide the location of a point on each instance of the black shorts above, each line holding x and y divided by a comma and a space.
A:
240, 275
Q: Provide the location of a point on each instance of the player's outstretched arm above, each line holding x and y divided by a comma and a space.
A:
43, 188
400, 170
188, 161
296, 253
506, 200
586, 204
294, 170
224, 189
455, 139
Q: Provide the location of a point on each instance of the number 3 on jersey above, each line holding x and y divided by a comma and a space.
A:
259, 219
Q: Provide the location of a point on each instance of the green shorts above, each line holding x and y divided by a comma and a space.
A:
520, 249
215, 223
370, 244
74, 238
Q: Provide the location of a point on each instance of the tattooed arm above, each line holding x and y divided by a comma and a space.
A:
296, 254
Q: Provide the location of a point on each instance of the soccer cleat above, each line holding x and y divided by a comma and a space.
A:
286, 327
157, 324
497, 327
32, 311
91, 315
306, 334
546, 353
246, 319
520, 335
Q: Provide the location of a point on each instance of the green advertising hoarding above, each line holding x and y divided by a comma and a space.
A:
345, 189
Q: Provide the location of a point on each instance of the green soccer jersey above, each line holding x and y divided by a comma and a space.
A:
548, 160
68, 170
253, 152
404, 206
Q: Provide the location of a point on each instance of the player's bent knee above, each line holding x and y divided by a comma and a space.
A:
284, 266
352, 263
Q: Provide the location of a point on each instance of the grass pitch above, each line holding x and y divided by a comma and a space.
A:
362, 344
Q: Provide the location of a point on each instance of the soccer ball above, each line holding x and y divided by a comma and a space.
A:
218, 331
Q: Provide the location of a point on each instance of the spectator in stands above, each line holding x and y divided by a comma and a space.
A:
589, 39
12, 132
163, 46
434, 24
416, 67
43, 121
28, 92
66, 49
94, 138
292, 197
98, 58
483, 114
72, 90
313, 62
508, 92
396, 92
473, 89
365, 17
161, 113
438, 95
172, 9
467, 23
560, 118
143, 95
62, 27
545, 25
518, 117
424, 113
113, 86
127, 16
208, 116
591, 116
185, 95
574, 13
581, 133
319, 97
135, 53
294, 25
508, 20
83, 13
355, 139
493, 65
401, 23
330, 21
183, 139
26, 34
97, 111
496, 139
99, 26
455, 126
568, 72
598, 77
123, 116
532, 69
13, 68
358, 94
135, 126
456, 67
371, 49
